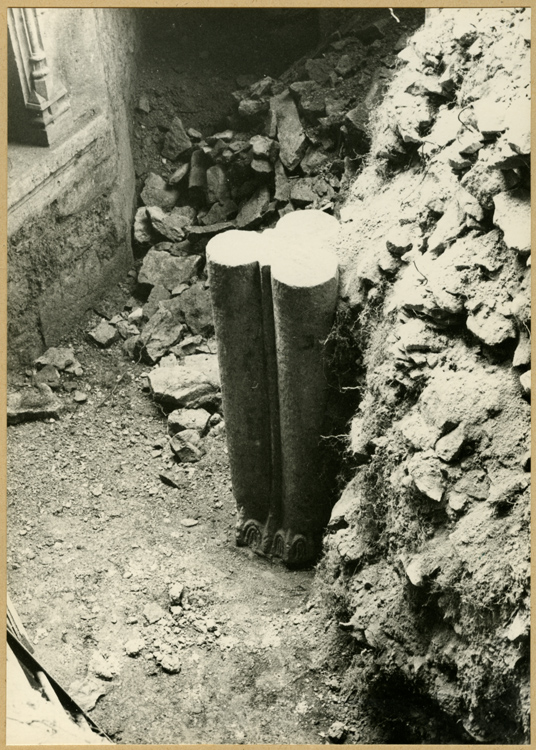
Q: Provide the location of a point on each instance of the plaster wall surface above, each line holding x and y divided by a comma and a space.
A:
70, 206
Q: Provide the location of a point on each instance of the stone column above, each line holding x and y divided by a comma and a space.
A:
304, 289
235, 286
269, 250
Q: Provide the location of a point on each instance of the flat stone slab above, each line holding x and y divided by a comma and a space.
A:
31, 404
290, 132
172, 226
194, 384
104, 334
160, 268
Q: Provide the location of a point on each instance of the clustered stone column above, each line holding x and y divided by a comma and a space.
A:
274, 296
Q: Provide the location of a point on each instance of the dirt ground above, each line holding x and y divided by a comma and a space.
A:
95, 536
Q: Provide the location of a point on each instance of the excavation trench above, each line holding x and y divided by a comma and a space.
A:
123, 561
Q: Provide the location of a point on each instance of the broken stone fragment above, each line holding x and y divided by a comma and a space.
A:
158, 294
291, 135
186, 445
251, 108
388, 263
172, 225
262, 88
86, 692
469, 143
427, 477
177, 142
399, 240
142, 227
417, 431
337, 732
310, 98
522, 354
194, 134
345, 66
448, 228
525, 381
217, 185
264, 147
194, 384
318, 71
160, 268
60, 358
456, 161
32, 404
507, 489
104, 334
251, 213
425, 84
512, 215
457, 500
162, 331
189, 345
224, 135
153, 612
261, 166
126, 329
219, 213
491, 326
489, 116
136, 315
193, 307
134, 646
130, 346
282, 184
519, 627
176, 592
170, 663
179, 174
144, 104
156, 193
105, 667
313, 161
187, 419
301, 191
474, 483
448, 447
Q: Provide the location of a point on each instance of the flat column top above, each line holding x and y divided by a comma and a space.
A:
236, 247
298, 249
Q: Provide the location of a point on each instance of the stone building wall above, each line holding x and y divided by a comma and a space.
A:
70, 205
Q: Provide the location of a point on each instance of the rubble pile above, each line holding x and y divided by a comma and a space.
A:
291, 143
428, 550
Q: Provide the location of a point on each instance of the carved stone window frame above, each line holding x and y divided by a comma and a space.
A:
48, 117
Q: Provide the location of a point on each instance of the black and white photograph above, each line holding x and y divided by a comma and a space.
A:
268, 375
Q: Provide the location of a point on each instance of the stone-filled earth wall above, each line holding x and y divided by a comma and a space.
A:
427, 553
71, 206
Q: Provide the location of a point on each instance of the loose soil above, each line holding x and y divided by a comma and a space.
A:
95, 536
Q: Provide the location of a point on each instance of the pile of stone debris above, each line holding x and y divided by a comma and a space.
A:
291, 143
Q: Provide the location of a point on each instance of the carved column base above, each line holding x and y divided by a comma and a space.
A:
294, 549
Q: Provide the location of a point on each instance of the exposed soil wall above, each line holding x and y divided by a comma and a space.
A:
427, 556
70, 207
